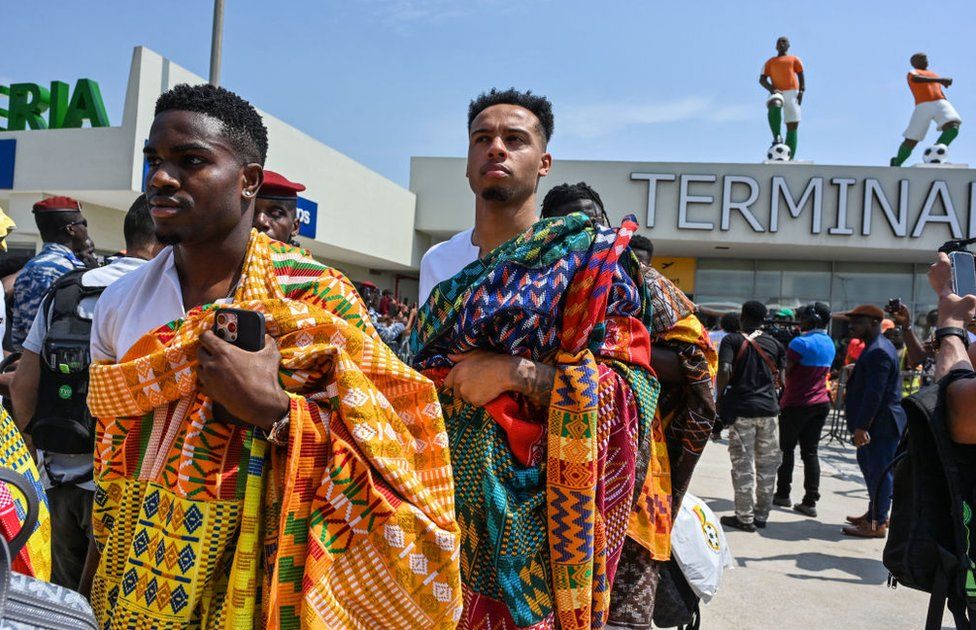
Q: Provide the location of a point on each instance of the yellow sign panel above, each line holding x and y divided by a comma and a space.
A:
680, 271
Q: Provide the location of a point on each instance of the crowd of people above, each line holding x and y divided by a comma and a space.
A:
509, 451
780, 395
393, 317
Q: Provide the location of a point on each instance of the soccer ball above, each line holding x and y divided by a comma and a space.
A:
778, 153
936, 154
775, 100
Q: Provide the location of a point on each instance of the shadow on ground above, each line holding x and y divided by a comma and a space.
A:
861, 570
868, 571
807, 529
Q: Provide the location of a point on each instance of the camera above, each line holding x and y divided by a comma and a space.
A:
781, 329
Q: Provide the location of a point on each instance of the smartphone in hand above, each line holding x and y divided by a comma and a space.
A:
244, 329
963, 273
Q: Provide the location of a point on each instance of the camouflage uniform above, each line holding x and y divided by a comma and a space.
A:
754, 451
53, 261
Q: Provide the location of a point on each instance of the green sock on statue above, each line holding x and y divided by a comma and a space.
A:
903, 152
948, 135
775, 120
791, 142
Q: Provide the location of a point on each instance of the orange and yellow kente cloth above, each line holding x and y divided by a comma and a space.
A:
35, 556
204, 524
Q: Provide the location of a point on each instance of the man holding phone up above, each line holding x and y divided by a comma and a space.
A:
324, 498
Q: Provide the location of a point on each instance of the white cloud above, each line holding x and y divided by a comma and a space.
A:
600, 119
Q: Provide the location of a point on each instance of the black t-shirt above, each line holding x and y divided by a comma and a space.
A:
752, 391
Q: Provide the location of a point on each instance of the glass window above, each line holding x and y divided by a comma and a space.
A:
811, 284
925, 301
768, 285
871, 283
809, 281
791, 283
724, 279
923, 290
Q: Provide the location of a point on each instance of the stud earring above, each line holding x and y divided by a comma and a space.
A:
248, 193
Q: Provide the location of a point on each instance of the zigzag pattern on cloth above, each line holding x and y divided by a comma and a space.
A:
510, 301
540, 543
200, 523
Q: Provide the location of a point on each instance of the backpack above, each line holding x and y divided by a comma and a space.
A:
927, 547
62, 422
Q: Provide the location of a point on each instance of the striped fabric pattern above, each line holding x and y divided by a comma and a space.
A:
204, 524
541, 536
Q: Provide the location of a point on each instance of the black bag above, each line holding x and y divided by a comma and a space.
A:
675, 603
927, 547
27, 602
62, 422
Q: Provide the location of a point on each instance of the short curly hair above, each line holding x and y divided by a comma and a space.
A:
641, 242
242, 123
567, 193
538, 105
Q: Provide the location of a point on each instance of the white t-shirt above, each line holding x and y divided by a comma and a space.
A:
100, 277
141, 301
64, 466
444, 260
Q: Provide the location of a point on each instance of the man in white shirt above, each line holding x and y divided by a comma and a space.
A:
70, 487
445, 259
205, 155
505, 207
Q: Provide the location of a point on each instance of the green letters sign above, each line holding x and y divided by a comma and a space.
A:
27, 102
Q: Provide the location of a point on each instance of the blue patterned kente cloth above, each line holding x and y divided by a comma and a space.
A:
545, 497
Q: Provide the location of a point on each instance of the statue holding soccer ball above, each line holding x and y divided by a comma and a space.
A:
930, 104
782, 76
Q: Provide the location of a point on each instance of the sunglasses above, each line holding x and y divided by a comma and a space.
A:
79, 222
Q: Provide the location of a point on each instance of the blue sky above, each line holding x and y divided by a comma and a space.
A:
381, 80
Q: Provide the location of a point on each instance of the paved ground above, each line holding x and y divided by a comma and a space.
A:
801, 572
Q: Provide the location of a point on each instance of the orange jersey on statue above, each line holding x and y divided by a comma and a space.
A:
782, 71
925, 92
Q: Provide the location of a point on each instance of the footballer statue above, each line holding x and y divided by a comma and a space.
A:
782, 76
930, 105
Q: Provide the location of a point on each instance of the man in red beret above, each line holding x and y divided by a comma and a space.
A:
64, 231
874, 416
276, 208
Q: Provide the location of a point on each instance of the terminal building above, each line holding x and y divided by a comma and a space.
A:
103, 168
786, 233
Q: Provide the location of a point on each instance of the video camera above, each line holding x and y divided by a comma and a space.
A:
780, 329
